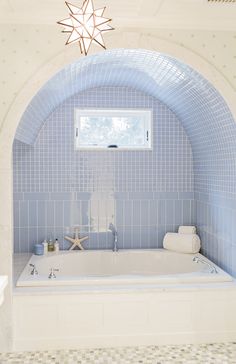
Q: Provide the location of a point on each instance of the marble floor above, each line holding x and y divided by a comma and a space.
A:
184, 354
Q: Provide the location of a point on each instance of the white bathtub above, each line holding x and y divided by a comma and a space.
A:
123, 267
129, 298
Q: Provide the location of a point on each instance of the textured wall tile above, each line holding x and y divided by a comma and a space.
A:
136, 191
24, 214
16, 212
33, 213
41, 213
186, 212
50, 213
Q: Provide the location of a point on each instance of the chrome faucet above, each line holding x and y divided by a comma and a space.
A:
203, 261
115, 235
34, 271
52, 273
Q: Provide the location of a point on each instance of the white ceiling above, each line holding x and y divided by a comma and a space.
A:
159, 14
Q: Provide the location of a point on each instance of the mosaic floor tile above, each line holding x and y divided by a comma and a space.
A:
183, 354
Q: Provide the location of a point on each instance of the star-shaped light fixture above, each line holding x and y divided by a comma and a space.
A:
85, 25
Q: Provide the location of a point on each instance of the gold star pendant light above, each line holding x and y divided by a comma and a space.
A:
85, 25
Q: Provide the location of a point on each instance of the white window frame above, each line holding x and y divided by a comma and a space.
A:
148, 127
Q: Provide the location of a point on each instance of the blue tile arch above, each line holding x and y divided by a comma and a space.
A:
201, 110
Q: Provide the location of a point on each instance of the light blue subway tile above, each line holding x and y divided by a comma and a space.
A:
204, 197
58, 213
110, 240
153, 236
36, 196
33, 213
16, 213
121, 195
127, 213
193, 212
18, 196
136, 213
153, 218
24, 239
82, 196
187, 212
24, 214
161, 212
75, 212
46, 233
66, 213
102, 240
62, 196
140, 195
170, 212
33, 237
233, 260
119, 212
178, 208
186, 195
127, 238
93, 240
145, 212
85, 213
166, 195
16, 234
50, 213
145, 237
41, 213
136, 243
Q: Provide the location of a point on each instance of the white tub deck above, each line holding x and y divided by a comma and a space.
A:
130, 313
158, 266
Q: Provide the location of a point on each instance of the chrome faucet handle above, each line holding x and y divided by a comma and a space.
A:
34, 271
52, 273
209, 265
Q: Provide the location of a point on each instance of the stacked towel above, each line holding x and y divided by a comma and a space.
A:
182, 243
187, 230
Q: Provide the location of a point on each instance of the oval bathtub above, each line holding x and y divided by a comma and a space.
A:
101, 267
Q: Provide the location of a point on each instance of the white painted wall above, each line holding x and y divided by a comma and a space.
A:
30, 55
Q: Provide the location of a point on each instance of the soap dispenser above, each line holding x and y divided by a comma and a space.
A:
45, 246
50, 246
56, 246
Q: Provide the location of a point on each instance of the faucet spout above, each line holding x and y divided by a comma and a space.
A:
115, 235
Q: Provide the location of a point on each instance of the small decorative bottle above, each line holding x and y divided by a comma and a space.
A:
45, 246
50, 246
56, 246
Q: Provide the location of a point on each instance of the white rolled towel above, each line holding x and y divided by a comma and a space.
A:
182, 243
187, 230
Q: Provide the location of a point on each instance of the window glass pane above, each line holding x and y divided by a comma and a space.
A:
121, 128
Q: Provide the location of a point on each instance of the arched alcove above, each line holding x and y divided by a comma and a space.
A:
214, 205
203, 113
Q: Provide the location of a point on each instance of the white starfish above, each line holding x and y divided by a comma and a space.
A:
85, 25
76, 241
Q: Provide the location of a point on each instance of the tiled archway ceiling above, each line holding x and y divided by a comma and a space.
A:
202, 110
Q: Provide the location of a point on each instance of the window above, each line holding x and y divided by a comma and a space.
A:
113, 128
